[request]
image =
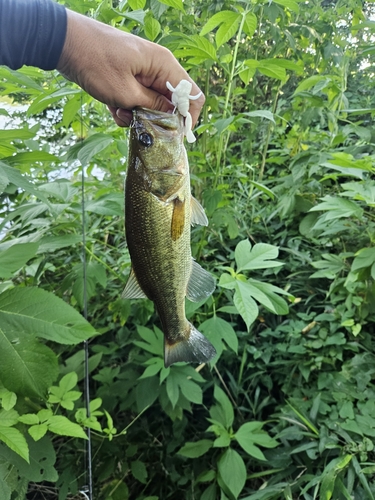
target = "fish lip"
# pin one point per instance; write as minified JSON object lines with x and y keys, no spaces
{"x":157,"y":119}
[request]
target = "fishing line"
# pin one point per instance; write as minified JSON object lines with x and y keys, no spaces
{"x":87,"y":490}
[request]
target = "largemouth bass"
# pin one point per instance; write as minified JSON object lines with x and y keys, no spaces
{"x":159,"y":210}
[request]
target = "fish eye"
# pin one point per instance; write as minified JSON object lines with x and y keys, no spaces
{"x":145,"y":139}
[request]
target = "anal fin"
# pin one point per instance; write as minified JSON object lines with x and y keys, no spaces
{"x":194,"y":349}
{"x":132,"y":288}
{"x":201,"y":283}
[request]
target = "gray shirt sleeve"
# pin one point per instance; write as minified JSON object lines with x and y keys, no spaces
{"x":32,"y":32}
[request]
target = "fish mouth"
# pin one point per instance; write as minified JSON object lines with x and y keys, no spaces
{"x":158,"y":120}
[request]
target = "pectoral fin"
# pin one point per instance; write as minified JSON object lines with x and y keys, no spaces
{"x":178,"y":219}
{"x":201,"y":284}
{"x":132,"y":288}
{"x":198,"y":215}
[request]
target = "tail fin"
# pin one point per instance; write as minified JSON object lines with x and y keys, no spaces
{"x":194,"y":349}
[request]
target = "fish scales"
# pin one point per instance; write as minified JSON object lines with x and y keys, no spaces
{"x":159,"y":210}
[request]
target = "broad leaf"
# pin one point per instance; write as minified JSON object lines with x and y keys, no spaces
{"x":195,"y":450}
{"x":176,"y":4}
{"x":250,"y":24}
{"x":217,"y":330}
{"x":228,"y":28}
{"x":251,"y":434}
{"x":34,"y":311}
{"x":27,"y":367}
{"x":224,"y":412}
{"x":91,"y":146}
{"x":16,"y":257}
{"x":61,"y":425}
{"x":258,"y":257}
{"x":152,"y":28}
{"x":245,"y":304}
{"x":15,"y":440}
{"x":232,"y":471}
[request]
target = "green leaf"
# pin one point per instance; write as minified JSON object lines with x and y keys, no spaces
{"x":258,"y":257}
{"x":266,"y":294}
{"x":364,"y":258}
{"x":147,"y":391}
{"x":15,"y":440}
{"x":264,"y":189}
{"x":27,"y":367}
{"x":176,"y":4}
{"x":16,"y":257}
{"x":93,"y":145}
{"x":197,"y":47}
{"x":245,"y":304}
{"x":52,"y":243}
{"x":38,"y":431}
{"x":228,"y":28}
{"x":16,"y":178}
{"x":308,"y":83}
{"x":271,"y":70}
{"x":110,"y":204}
{"x":139,"y":471}
{"x":135,"y":15}
{"x":153,"y":340}
{"x":337,"y":208}
{"x":152,"y":28}
{"x":8,"y":418}
{"x":173,"y":390}
{"x":195,"y":450}
{"x":5,"y":490}
{"x":251,"y":434}
{"x":44,"y":100}
{"x":218,"y":330}
{"x":29,"y":418}
{"x":31,"y":157}
{"x":250,"y":24}
{"x":191,"y":390}
{"x":62,"y":426}
{"x":136,"y":4}
{"x":37,"y":312}
{"x":153,"y":369}
{"x":216,"y":20}
{"x":261,"y":113}
{"x":42,"y":460}
{"x":8,"y":399}
{"x":282,"y":63}
{"x":232,"y":471}
{"x":226,"y":409}
{"x":289,"y":4}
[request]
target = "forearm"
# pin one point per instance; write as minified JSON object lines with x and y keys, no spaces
{"x":32,"y":32}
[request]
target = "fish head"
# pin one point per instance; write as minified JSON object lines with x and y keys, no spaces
{"x":157,"y":153}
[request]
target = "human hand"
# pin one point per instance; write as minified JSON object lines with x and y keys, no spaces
{"x":121,"y":69}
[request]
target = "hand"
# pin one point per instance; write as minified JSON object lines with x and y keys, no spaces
{"x":120,"y":69}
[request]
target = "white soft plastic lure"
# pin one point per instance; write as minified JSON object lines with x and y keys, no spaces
{"x":181,"y":99}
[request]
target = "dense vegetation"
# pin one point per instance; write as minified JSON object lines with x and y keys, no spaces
{"x":284,"y":164}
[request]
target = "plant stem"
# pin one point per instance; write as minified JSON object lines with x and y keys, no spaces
{"x":228,"y":108}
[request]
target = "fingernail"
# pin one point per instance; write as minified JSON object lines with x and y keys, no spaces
{"x":121,"y":113}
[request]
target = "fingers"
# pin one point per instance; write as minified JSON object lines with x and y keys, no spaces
{"x":122,"y":117}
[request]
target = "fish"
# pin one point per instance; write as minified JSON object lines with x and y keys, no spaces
{"x":159,"y":212}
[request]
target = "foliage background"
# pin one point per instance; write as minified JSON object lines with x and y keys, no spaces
{"x":284,"y":164}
